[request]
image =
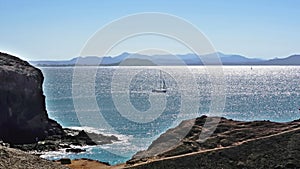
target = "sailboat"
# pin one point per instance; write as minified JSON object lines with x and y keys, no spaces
{"x":162,"y":87}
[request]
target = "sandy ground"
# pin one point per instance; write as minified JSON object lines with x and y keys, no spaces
{"x":89,"y":164}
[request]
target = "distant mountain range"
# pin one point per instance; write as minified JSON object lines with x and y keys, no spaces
{"x":127,"y":59}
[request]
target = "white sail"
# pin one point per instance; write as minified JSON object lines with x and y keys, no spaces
{"x":162,"y":87}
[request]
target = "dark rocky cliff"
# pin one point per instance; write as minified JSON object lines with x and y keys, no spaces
{"x":22,"y":103}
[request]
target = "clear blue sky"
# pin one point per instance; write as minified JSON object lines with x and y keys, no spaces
{"x":58,"y":29}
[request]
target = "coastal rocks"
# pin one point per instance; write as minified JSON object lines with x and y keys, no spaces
{"x":16,"y":159}
{"x":24,"y":122}
{"x":23,"y":115}
{"x":75,"y":150}
{"x":66,"y":141}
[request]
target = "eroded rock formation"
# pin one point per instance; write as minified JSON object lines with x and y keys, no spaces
{"x":22,"y":104}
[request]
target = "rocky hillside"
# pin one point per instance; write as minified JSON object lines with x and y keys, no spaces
{"x":16,"y":159}
{"x":234,"y":144}
{"x":23,"y":115}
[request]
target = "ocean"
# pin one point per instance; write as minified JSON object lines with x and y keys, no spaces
{"x":119,"y":101}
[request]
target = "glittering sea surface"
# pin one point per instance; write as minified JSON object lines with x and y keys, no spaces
{"x":252,"y":93}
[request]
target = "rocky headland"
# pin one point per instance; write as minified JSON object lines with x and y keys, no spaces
{"x":24,"y":122}
{"x":234,"y":144}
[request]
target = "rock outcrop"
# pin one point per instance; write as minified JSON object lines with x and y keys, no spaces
{"x":234,"y":144}
{"x":22,"y":104}
{"x":66,"y":141}
{"x":16,"y":159}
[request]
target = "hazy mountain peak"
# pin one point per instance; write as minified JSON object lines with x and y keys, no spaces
{"x":180,"y":59}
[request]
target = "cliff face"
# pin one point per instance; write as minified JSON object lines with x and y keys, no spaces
{"x":22,"y":103}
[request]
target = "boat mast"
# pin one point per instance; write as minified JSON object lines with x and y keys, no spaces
{"x":161,"y":85}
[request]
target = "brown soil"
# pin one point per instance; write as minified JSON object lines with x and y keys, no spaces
{"x":91,"y":164}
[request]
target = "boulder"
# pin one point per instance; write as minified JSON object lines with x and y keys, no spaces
{"x":75,"y":150}
{"x":65,"y":161}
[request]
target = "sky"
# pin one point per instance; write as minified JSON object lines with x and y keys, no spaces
{"x":58,"y":30}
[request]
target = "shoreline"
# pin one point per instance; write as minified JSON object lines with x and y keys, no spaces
{"x":267,"y":134}
{"x":250,"y":135}
{"x":68,"y":140}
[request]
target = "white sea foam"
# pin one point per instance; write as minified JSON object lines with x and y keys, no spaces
{"x":122,"y":138}
{"x":123,"y":145}
{"x":61,"y":153}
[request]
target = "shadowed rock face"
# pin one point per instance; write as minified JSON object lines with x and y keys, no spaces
{"x":22,"y":103}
